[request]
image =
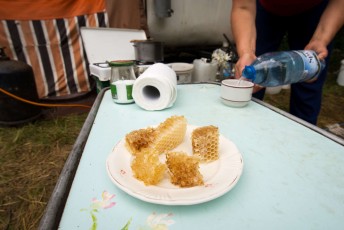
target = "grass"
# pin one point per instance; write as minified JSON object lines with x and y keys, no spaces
{"x":31,"y":159}
{"x":32,"y":156}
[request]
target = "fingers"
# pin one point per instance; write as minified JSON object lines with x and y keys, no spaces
{"x":319,"y":47}
{"x":257,"y":88}
{"x":244,"y":60}
{"x":322,"y":55}
{"x":238,"y":71}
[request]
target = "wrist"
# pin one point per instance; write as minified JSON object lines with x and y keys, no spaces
{"x":247,"y":53}
{"x":245,"y":47}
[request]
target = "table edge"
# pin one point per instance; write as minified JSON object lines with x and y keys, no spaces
{"x":54,"y":209}
{"x":53,"y":212}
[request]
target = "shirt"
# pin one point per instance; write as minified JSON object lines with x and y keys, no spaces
{"x":288,"y":7}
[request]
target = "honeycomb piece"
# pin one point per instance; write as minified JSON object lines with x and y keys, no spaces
{"x":170,"y":133}
{"x":147,"y":168}
{"x":184,"y":169}
{"x":205,"y":143}
{"x":138,"y":140}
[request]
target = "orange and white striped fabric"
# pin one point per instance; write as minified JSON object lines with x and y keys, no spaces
{"x":49,"y":40}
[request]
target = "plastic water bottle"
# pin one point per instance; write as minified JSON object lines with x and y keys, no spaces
{"x":285,"y":67}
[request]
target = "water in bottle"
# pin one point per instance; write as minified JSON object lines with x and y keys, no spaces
{"x":285,"y":67}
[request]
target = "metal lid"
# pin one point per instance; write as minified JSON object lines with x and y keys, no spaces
{"x":120,"y":63}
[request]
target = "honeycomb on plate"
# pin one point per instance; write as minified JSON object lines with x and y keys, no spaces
{"x":138,"y":140}
{"x":147,"y":167}
{"x":170,"y":133}
{"x":205,"y":143}
{"x":184,"y":169}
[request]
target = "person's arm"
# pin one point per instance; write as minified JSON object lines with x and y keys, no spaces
{"x":243,"y":17}
{"x":330,"y":23}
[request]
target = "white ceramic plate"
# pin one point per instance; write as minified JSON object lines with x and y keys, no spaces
{"x":219,"y":176}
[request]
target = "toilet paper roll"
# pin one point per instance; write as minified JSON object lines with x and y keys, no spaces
{"x":156,"y":88}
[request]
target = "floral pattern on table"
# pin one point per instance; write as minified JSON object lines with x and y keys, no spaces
{"x":158,"y":222}
{"x":154,"y":221}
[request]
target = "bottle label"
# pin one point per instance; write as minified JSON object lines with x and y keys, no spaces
{"x":311,"y":62}
{"x":122,"y":91}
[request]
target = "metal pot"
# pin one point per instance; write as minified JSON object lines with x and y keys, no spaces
{"x":148,"y":51}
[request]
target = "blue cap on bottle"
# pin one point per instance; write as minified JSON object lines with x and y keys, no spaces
{"x":249,"y":72}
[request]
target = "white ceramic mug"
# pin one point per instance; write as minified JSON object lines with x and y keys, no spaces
{"x":235,"y":92}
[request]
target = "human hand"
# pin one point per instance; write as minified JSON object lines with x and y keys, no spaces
{"x":244,"y":60}
{"x":319,"y":47}
{"x":321,"y":50}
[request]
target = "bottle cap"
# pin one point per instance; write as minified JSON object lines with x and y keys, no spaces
{"x":249,"y":72}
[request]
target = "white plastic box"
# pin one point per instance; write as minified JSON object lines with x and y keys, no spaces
{"x":108,"y":44}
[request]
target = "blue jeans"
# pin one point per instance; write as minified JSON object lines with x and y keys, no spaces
{"x":305,"y":98}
